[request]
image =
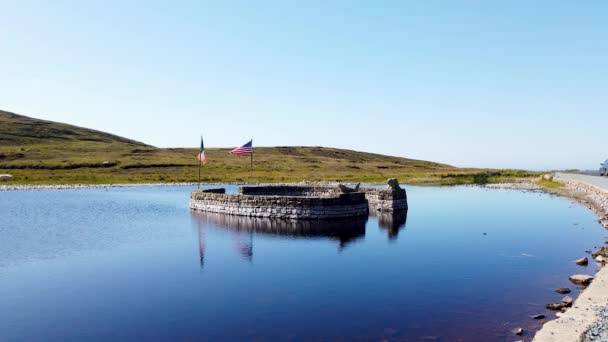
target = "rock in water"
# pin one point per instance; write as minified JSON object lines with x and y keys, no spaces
{"x":581,"y":279}
{"x":393,"y":184}
{"x":600,"y":258}
{"x":555,"y":306}
{"x":563,"y":290}
{"x":6,"y":177}
{"x":518,"y":331}
{"x":582,"y":261}
{"x":565,"y":303}
{"x":540,"y":316}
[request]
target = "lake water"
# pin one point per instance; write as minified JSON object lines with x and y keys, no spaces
{"x":466,"y":264}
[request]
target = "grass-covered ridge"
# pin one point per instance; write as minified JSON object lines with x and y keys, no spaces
{"x":45,"y":152}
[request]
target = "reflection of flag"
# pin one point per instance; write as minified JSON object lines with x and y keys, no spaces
{"x":201,"y":155}
{"x":245,"y":149}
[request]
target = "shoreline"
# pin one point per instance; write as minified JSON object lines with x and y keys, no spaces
{"x":24,"y":187}
{"x":587,"y":319}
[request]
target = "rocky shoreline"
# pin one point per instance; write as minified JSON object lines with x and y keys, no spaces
{"x":587,"y":318}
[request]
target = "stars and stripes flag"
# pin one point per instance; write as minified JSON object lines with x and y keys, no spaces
{"x":202,"y":158}
{"x":245,"y":149}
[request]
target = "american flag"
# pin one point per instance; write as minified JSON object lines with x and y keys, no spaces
{"x":245,"y":149}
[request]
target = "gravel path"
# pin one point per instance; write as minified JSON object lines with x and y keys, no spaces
{"x":587,"y":320}
{"x":597,"y":181}
{"x":599,"y":329}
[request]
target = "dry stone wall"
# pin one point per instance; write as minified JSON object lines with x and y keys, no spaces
{"x":290,"y":207}
{"x":289,"y":190}
{"x":386,"y":199}
{"x":297,"y":202}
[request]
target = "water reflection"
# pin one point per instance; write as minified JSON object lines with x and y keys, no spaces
{"x":393,"y":221}
{"x":56,"y":238}
{"x":345,"y":231}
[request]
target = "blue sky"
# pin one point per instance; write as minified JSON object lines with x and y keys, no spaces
{"x":510,"y":84}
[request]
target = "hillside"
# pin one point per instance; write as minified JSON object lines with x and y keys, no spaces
{"x":37,"y":151}
{"x":18,"y":129}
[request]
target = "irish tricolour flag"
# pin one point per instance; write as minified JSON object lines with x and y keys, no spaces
{"x":201,"y":155}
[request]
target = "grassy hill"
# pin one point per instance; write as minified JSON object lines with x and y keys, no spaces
{"x":44,"y":152}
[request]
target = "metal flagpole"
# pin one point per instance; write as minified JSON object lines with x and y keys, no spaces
{"x":199,"y":173}
{"x":251,"y":165}
{"x":200,"y":162}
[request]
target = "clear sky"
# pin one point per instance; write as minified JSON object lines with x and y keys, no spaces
{"x":519,"y":84}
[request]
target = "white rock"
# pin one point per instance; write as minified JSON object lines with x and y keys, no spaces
{"x":6,"y":177}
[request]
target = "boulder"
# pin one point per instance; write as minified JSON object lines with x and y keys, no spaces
{"x":518,"y":331}
{"x":346,"y":189}
{"x":539,"y":316}
{"x":567,"y":300}
{"x":581,"y":279}
{"x":563,"y":290}
{"x":6,"y":177}
{"x":600,"y":258}
{"x":548,"y":177}
{"x":557,"y":306}
{"x":393,"y":184}
{"x":582,"y":261}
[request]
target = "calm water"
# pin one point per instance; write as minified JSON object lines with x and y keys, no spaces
{"x":135,"y":263}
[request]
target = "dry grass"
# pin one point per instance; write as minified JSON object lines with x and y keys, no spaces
{"x":551,"y":184}
{"x":44,"y":152}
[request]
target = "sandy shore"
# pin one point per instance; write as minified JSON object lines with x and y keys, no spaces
{"x":587,"y":320}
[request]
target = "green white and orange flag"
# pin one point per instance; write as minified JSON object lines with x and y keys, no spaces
{"x":201,"y":155}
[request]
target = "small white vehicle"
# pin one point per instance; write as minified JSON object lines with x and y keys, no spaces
{"x":604,"y":168}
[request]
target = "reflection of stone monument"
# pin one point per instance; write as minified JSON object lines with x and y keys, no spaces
{"x":201,"y":245}
{"x":244,"y":245}
{"x":343,"y":230}
{"x":392,"y":221}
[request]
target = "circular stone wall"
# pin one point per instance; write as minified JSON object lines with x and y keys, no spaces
{"x":301,"y":203}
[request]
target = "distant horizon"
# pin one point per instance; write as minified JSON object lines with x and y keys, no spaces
{"x":514,"y":85}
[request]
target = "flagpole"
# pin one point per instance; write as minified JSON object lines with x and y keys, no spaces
{"x":200,"y":163}
{"x":251,"y":165}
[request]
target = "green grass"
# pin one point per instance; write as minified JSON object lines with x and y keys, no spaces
{"x":44,"y":152}
{"x":551,"y":184}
